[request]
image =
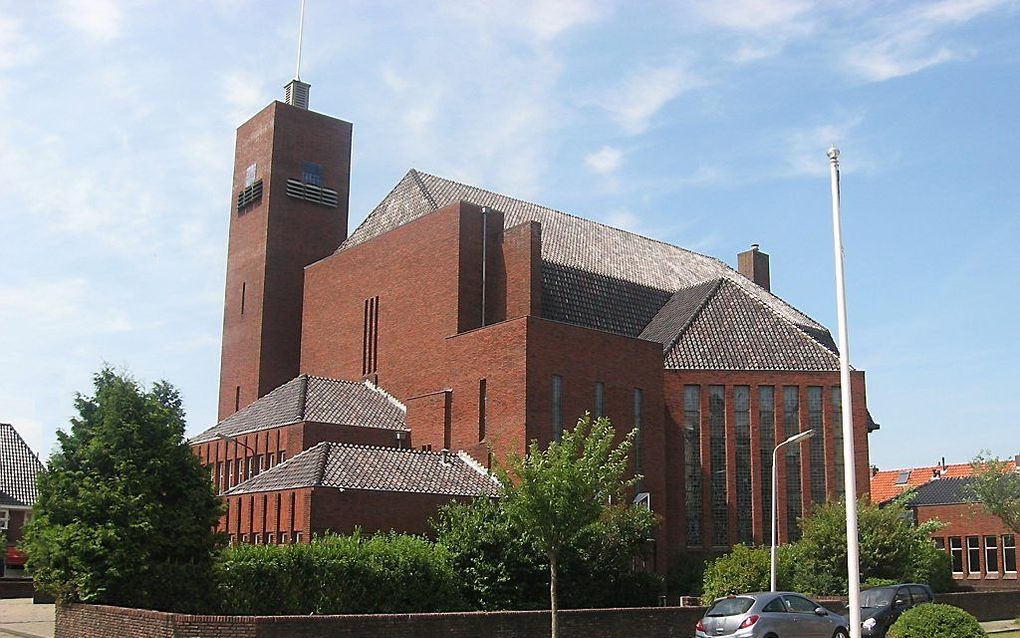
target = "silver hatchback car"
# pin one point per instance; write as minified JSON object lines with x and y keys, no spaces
{"x":770,"y":615}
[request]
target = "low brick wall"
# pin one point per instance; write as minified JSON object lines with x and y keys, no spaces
{"x":16,"y":588}
{"x":97,"y":621}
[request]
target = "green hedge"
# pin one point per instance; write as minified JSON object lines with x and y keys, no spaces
{"x":352,"y":574}
{"x":936,"y":621}
{"x":747,"y":569}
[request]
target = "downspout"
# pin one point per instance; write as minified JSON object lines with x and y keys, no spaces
{"x":485,"y":237}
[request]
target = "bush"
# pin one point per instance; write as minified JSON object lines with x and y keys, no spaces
{"x":747,"y":569}
{"x":686,"y":574}
{"x":350,"y":574}
{"x":936,"y":621}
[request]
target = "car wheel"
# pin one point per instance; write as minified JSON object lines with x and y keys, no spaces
{"x":840,"y":633}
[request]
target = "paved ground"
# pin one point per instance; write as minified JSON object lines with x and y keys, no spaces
{"x":19,"y":617}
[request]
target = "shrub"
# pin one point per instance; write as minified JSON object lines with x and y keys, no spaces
{"x":936,"y":621}
{"x":340,"y":574}
{"x":747,"y":569}
{"x":686,"y":574}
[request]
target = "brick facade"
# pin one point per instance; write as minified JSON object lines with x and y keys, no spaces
{"x":980,"y":535}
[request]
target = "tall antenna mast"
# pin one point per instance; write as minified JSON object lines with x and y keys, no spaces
{"x":296,"y":91}
{"x":300,"y":34}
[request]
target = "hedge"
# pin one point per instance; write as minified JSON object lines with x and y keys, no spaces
{"x":936,"y":621}
{"x":351,"y":574}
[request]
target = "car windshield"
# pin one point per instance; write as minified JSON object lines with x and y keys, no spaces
{"x":730,"y":607}
{"x":876,"y":597}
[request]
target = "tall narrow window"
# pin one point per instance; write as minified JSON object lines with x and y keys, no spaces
{"x":767,"y":431}
{"x":244,"y":290}
{"x":600,"y":398}
{"x":638,"y":439}
{"x":482,"y":390}
{"x":817,"y":445}
{"x":956,"y":553}
{"x":791,"y":426}
{"x":837,"y":439}
{"x":370,"y":337}
{"x":692,"y":461}
{"x":742,"y":427}
{"x":1009,"y":553}
{"x":717,"y":459}
{"x":973,"y":555}
{"x":237,"y":398}
{"x":991,"y":555}
{"x":557,"y":411}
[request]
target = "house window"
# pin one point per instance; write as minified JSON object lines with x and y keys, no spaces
{"x":956,"y":553}
{"x":973,"y":555}
{"x":816,"y":447}
{"x":991,"y":555}
{"x":272,"y":460}
{"x":1009,"y":553}
{"x":837,"y":439}
{"x":638,"y":443}
{"x":482,"y":401}
{"x":5,"y":518}
{"x":258,"y":539}
{"x":283,"y":456}
{"x":692,"y":461}
{"x":220,"y":474}
{"x":940,"y":543}
{"x":283,"y":538}
{"x":717,"y":459}
{"x":230,"y":474}
{"x":311,"y":173}
{"x":557,"y":409}
{"x":246,"y":538}
{"x":250,"y":174}
{"x":742,"y":427}
{"x":240,"y":470}
{"x":600,"y":400}
{"x":270,"y":539}
{"x":791,"y":425}
{"x":251,"y":466}
{"x":767,"y":424}
{"x":297,"y":537}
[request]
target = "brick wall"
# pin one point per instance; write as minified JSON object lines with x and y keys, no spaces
{"x":966,"y":522}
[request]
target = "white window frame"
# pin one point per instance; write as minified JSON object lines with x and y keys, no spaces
{"x":956,"y":549}
{"x":230,"y":474}
{"x":970,"y":567}
{"x":5,"y":518}
{"x":297,"y":537}
{"x":283,"y":456}
{"x":993,"y":548}
{"x":270,"y":539}
{"x":1011,"y":572}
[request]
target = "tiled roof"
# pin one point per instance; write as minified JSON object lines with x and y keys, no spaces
{"x":19,"y":468}
{"x":888,"y":484}
{"x":593,"y":275}
{"x":358,"y":467}
{"x":316,"y":399}
{"x":718,"y":325}
{"x":946,"y":491}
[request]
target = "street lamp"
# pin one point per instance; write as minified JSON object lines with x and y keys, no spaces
{"x":234,"y":439}
{"x":796,"y":438}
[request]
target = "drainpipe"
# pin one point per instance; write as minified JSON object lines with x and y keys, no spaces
{"x":485,"y":238}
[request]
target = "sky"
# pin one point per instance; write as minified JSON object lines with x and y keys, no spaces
{"x":700,"y":124}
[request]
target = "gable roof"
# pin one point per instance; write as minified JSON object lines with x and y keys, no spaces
{"x":946,"y":491}
{"x":717,"y":325}
{"x":19,"y":468}
{"x":888,"y":484}
{"x":315,"y":399}
{"x":593,"y":275}
{"x":345,"y":466}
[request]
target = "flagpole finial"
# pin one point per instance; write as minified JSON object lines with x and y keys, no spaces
{"x":833,"y":153}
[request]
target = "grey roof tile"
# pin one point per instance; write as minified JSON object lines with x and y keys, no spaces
{"x":19,"y":468}
{"x":358,"y":467}
{"x":944,"y":491}
{"x":729,"y":329}
{"x":606,"y":254}
{"x":316,"y":399}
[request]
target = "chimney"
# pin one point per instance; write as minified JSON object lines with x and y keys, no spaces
{"x":754,"y":265}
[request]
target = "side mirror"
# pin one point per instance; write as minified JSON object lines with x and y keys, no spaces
{"x":900,"y":604}
{"x":821,"y":611}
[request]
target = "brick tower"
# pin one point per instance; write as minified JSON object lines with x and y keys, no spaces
{"x":288,"y":209}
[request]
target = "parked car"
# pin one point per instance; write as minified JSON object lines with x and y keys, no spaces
{"x":881,"y":606}
{"x":770,"y":615}
{"x":14,"y":557}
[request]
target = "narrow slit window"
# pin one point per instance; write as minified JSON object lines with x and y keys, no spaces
{"x":638,"y":443}
{"x":600,"y":398}
{"x":244,"y":290}
{"x":557,"y":413}
{"x":482,"y":398}
{"x":237,"y":398}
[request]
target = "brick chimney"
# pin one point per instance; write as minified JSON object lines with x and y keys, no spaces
{"x":754,"y":265}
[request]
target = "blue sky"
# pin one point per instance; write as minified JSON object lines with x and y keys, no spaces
{"x":701,"y":124}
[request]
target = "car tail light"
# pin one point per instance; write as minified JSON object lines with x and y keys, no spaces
{"x":750,"y":620}
{"x":700,"y":626}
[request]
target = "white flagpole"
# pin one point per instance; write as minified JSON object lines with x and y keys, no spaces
{"x":849,"y":465}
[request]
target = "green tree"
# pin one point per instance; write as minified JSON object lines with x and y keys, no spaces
{"x":125,"y":513}
{"x":747,"y":569}
{"x":552,"y":495}
{"x":996,"y":487}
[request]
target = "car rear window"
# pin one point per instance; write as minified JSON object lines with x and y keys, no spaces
{"x":879,"y":597}
{"x":730,"y":607}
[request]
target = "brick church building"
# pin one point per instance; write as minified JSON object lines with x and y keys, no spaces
{"x":368,"y":376}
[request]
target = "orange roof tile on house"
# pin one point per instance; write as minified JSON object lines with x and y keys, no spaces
{"x":888,"y":484}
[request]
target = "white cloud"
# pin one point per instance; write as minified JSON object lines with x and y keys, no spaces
{"x":244,"y":93}
{"x":755,"y":15}
{"x":644,"y":93}
{"x":548,"y":20}
{"x":99,"y":20}
{"x":541,"y":21}
{"x":805,"y":149}
{"x":623,"y":218}
{"x":605,"y":160}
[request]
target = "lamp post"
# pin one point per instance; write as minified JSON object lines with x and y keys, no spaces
{"x":849,"y":465}
{"x":234,"y":439}
{"x":796,"y":438}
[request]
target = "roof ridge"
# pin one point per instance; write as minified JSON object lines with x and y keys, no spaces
{"x":478,"y":467}
{"x":412,"y":173}
{"x":416,"y":174}
{"x":697,"y":311}
{"x":320,"y":471}
{"x":386,"y":395}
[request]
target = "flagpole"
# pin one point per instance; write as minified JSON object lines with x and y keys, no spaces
{"x":849,"y":464}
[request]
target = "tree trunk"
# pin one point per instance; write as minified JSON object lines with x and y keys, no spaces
{"x":553,"y":603}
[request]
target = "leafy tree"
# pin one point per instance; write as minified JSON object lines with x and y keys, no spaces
{"x":125,"y":513}
{"x":996,"y":487}
{"x":552,"y":495}
{"x":747,"y":569}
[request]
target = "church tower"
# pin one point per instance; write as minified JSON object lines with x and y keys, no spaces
{"x":288,"y":209}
